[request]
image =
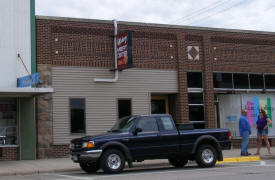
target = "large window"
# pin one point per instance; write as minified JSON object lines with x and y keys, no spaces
{"x":256,"y":81}
{"x":77,"y":109}
{"x":270,"y":81}
{"x":244,"y":81}
{"x":124,"y":108}
{"x":241,"y":81}
{"x":222,"y":80}
{"x":196,"y":113}
{"x":8,"y":122}
{"x":230,"y":106}
{"x":196,"y":109}
{"x":194,"y":79}
{"x":195,"y":98}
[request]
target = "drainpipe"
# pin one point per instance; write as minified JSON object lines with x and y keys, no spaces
{"x":116,"y":71}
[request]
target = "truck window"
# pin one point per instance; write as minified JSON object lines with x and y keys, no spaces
{"x":147,"y":124}
{"x":167,"y":123}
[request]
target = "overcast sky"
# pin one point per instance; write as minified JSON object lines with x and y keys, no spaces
{"x":232,"y":14}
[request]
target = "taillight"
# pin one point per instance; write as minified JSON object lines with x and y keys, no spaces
{"x":229,"y":135}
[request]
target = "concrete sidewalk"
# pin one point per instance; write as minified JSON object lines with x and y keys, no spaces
{"x":65,"y":164}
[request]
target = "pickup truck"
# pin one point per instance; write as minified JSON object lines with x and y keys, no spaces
{"x":141,"y":137}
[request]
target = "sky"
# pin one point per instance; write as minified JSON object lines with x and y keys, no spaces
{"x":230,"y":14}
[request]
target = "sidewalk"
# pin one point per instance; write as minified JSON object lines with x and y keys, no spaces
{"x":65,"y":164}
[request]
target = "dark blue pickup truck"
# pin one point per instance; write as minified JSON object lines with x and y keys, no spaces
{"x":137,"y":138}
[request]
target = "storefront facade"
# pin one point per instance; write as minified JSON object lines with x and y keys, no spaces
{"x":18,"y":59}
{"x":199,"y":75}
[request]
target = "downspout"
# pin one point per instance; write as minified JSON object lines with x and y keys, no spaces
{"x":116,"y":71}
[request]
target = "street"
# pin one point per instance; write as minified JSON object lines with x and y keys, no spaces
{"x":252,"y":170}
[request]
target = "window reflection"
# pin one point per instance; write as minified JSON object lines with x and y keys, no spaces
{"x":8,"y":122}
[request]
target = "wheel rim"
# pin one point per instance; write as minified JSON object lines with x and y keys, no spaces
{"x":207,"y":156}
{"x":114,"y":161}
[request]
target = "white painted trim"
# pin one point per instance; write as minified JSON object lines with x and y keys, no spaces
{"x":9,"y":145}
{"x":27,"y":90}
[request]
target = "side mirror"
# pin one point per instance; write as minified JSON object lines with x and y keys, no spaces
{"x":137,"y":130}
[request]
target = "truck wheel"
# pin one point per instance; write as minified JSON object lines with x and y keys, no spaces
{"x":112,"y":161}
{"x":89,"y":167}
{"x":206,"y":156}
{"x":178,"y":162}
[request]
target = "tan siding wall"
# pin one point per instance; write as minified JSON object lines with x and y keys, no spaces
{"x":101,"y":98}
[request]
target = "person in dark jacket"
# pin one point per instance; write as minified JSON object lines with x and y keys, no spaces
{"x":245,"y":131}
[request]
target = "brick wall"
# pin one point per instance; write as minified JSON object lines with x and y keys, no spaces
{"x":236,"y":143}
{"x":72,"y":42}
{"x":66,"y":43}
{"x":60,"y":150}
{"x":9,"y":153}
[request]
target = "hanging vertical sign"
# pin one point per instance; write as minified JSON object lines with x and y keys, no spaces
{"x":124,"y":50}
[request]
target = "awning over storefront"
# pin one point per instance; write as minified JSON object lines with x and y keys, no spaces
{"x":24,"y":92}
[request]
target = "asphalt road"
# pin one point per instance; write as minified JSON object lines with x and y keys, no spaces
{"x":263,"y":170}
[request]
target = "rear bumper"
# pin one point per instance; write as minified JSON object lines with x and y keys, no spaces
{"x":84,"y":156}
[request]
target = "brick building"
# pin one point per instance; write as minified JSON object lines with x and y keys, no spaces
{"x":199,"y":75}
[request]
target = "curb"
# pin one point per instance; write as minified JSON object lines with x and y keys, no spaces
{"x":239,"y":159}
{"x":137,"y":165}
{"x":29,"y":172}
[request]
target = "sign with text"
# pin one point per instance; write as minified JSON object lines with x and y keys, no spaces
{"x":26,"y":81}
{"x":124,"y":50}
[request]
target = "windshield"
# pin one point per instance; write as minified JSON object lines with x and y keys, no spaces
{"x":123,"y":125}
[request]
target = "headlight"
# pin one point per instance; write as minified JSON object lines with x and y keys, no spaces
{"x":88,"y":145}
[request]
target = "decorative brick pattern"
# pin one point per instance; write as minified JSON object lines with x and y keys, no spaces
{"x":9,"y":153}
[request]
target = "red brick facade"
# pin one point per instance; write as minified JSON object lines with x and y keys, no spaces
{"x":9,"y":153}
{"x":74,"y":42}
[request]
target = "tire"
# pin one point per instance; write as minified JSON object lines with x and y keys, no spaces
{"x":206,"y":156}
{"x":89,"y":167}
{"x":178,"y":162}
{"x":112,"y":161}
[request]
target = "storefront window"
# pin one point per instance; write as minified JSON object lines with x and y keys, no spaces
{"x":230,"y":106}
{"x":196,"y":110}
{"x":196,"y":113}
{"x":256,"y":81}
{"x":194,"y":79}
{"x":195,"y":98}
{"x":241,"y":81}
{"x":269,"y":81}
{"x":8,"y":122}
{"x":222,"y":80}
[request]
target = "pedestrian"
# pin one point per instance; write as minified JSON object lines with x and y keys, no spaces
{"x":262,"y":131}
{"x":245,"y":131}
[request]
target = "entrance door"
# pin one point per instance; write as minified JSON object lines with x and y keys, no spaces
{"x":27,"y":129}
{"x":159,"y":105}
